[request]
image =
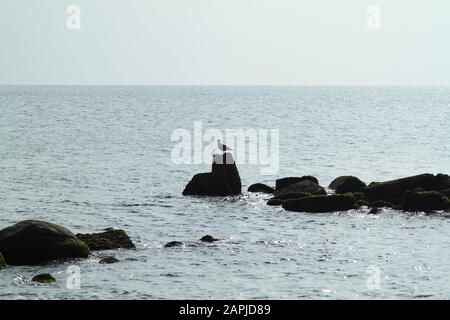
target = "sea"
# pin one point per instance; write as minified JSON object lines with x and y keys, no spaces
{"x":94,"y":157}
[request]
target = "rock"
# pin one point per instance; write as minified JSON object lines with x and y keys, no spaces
{"x":374,"y":210}
{"x":260,"y":187}
{"x":306,"y":186}
{"x":394,"y":190}
{"x":425,"y":201}
{"x":358,"y":196}
{"x":2,"y":261}
{"x":442,"y":182}
{"x":208,"y":238}
{"x":381,"y":204}
{"x":284,"y":182}
{"x":172,"y":244}
{"x":331,"y":203}
{"x":291,"y":195}
{"x":44,"y":278}
{"x":107,"y":240}
{"x":223,"y":180}
{"x":446,"y":192}
{"x":275,"y":202}
{"x":346,"y":184}
{"x":108,"y":260}
{"x":32,"y":242}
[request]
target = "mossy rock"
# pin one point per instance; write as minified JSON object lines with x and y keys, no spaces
{"x":316,"y":204}
{"x":275,"y":202}
{"x":33,"y":242}
{"x":425,"y":201}
{"x":108,"y":260}
{"x":260,"y":187}
{"x":2,"y":261}
{"x":394,"y":190}
{"x":359,"y":196}
{"x":44,"y":278}
{"x":291,"y":195}
{"x":172,"y":244}
{"x":305,"y":186}
{"x":285,"y":182}
{"x":345,"y":184}
{"x":107,"y":240}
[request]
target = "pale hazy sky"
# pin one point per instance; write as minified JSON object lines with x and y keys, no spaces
{"x":213,"y":42}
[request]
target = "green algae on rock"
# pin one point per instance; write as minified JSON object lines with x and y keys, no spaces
{"x":108,"y":260}
{"x":2,"y":261}
{"x":107,"y":240}
{"x":346,"y":184}
{"x":44,"y":278}
{"x":425,"y":201}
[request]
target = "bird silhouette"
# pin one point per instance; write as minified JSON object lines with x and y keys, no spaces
{"x":222,"y":146}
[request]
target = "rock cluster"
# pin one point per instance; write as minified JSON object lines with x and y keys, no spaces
{"x":424,"y":192}
{"x":33,"y":242}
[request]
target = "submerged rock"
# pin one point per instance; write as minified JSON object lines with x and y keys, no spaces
{"x":346,"y":184}
{"x":107,"y":240}
{"x":32,"y":242}
{"x":223,"y":180}
{"x":44,"y":278}
{"x":394,"y":190}
{"x":260,"y":187}
{"x":2,"y":261}
{"x":208,"y":238}
{"x":330,"y":203}
{"x":172,"y":244}
{"x":108,"y":260}
{"x":291,"y":195}
{"x":284,"y":182}
{"x":374,"y":210}
{"x":306,"y":186}
{"x":425,"y":201}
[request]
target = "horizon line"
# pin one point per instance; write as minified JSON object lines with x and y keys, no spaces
{"x":217,"y":85}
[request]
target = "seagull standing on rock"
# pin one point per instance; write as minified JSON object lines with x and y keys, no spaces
{"x":222,"y":146}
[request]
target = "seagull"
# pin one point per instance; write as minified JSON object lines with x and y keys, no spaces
{"x":222,"y":146}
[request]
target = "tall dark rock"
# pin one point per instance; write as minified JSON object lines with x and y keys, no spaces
{"x":223,"y":180}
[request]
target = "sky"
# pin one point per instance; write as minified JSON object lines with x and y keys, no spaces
{"x":225,"y":42}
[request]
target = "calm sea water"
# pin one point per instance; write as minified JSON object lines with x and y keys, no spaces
{"x":95,"y":157}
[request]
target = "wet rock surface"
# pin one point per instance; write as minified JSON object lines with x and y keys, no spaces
{"x":32,"y":242}
{"x":107,"y":240}
{"x":43,"y":278}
